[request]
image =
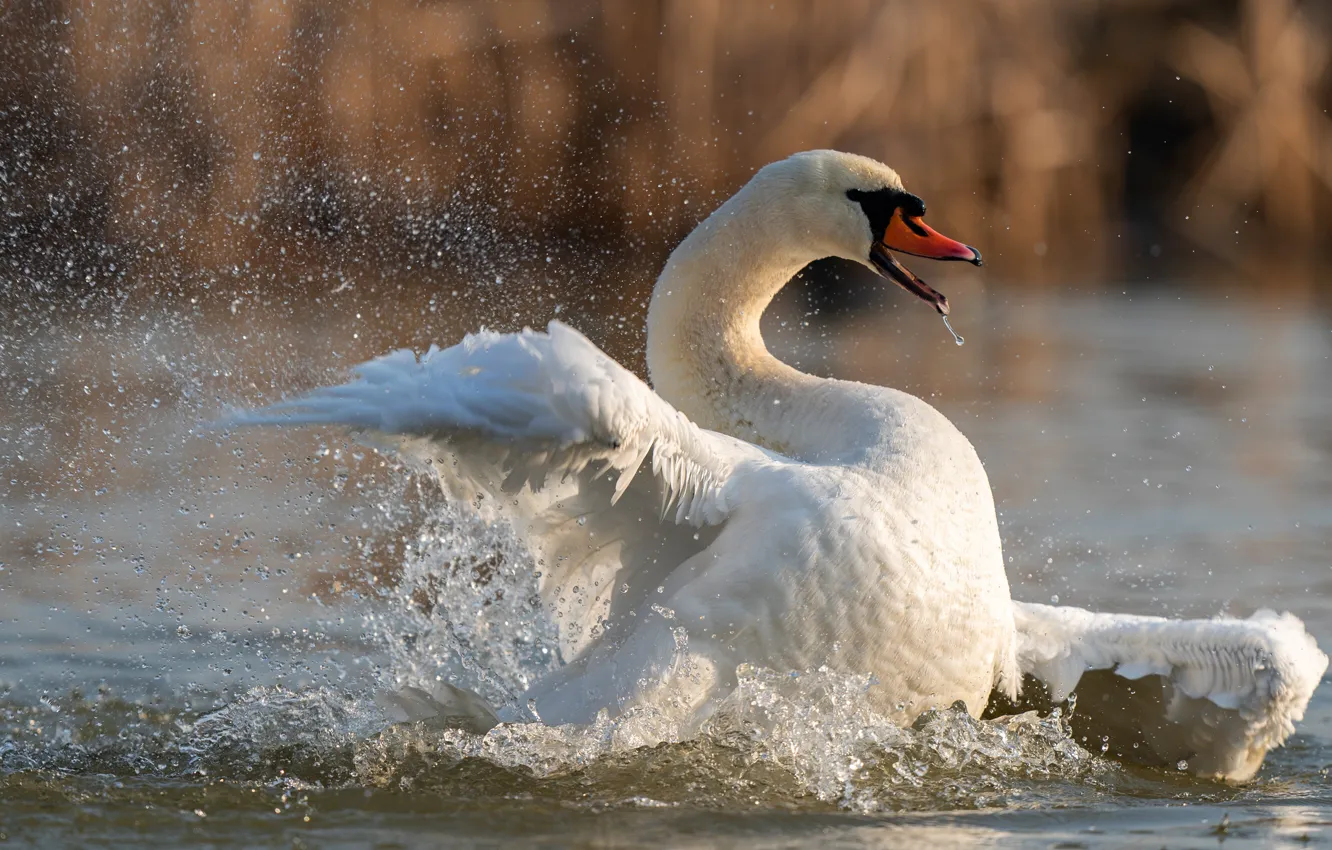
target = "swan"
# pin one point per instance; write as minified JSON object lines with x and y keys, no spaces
{"x":740,"y":511}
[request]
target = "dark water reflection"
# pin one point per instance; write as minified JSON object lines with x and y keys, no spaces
{"x":1152,"y":453}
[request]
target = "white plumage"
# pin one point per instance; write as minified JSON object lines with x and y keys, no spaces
{"x":1217,"y":694}
{"x":748,"y":513}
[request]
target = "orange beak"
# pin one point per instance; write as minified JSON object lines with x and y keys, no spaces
{"x":911,"y":235}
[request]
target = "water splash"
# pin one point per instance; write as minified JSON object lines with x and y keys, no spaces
{"x":822,"y":727}
{"x":466,"y":610}
{"x":780,"y":739}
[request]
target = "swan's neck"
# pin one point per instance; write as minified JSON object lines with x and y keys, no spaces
{"x":705,"y":353}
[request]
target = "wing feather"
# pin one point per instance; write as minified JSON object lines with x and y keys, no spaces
{"x":552,"y":434}
{"x":1217,"y":694}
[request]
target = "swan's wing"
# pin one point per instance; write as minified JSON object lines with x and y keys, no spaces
{"x":1217,"y":694}
{"x":550,"y":432}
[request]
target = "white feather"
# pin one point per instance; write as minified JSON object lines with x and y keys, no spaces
{"x":1256,"y":676}
{"x":560,"y":430}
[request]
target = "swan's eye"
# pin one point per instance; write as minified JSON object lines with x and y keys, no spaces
{"x":911,"y":206}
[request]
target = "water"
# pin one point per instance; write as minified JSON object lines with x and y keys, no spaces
{"x":193,"y":625}
{"x":956,"y":336}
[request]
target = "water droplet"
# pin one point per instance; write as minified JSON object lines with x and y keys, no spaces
{"x":956,"y":336}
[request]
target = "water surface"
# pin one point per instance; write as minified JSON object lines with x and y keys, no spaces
{"x":193,"y":624}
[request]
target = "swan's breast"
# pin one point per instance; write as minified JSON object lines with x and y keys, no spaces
{"x":837,"y":567}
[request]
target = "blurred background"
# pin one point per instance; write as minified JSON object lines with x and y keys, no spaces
{"x":1070,"y":141}
{"x":214,"y":203}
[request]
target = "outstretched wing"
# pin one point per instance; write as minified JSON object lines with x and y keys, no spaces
{"x":1217,"y":694}
{"x":548,"y":431}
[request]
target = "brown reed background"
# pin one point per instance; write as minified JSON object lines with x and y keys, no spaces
{"x":1081,"y":140}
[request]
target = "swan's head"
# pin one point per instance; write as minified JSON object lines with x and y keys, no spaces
{"x":858,"y":209}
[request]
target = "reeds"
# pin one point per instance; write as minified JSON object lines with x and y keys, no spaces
{"x":224,"y":130}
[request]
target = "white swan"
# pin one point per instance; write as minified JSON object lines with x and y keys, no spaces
{"x":747,"y":512}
